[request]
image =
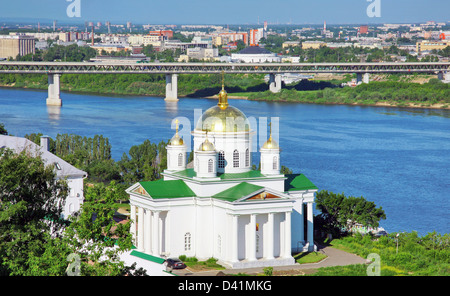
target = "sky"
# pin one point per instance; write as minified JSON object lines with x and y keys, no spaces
{"x":229,"y":11}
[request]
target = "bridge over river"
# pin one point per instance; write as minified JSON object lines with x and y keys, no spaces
{"x":363,"y":70}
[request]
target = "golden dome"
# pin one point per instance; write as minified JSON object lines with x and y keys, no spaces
{"x":206,"y":146}
{"x":270,"y":144}
{"x":223,"y":118}
{"x":176,"y":139}
{"x":230,"y":119}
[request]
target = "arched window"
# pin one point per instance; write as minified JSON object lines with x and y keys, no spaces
{"x":187,"y":241}
{"x":275,"y":163}
{"x":221,"y":160}
{"x":236,"y":159}
{"x":210,"y":166}
{"x":247,"y":158}
{"x":180,"y":159}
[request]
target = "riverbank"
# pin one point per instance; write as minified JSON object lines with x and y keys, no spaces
{"x":431,"y":95}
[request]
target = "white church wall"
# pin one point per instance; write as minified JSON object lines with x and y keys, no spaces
{"x":75,"y":197}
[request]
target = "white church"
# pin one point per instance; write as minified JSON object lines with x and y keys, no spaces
{"x":221,"y":207}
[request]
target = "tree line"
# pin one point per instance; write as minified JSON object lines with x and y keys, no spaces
{"x":366,"y":93}
{"x":93,"y":155}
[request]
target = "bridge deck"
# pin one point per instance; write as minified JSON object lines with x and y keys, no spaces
{"x":214,"y":68}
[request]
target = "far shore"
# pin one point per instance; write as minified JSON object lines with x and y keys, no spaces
{"x":440,"y":106}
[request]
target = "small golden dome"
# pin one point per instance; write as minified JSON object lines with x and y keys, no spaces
{"x":176,"y":139}
{"x":206,"y":146}
{"x":270,"y":144}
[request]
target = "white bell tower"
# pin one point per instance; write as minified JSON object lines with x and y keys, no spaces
{"x":270,"y":156}
{"x":205,"y":162}
{"x":176,"y":152}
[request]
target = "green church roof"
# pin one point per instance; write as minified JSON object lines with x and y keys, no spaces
{"x":237,"y":192}
{"x":167,"y":189}
{"x":252,"y":174}
{"x":295,"y":182}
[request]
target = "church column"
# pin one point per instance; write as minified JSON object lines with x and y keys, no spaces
{"x":287,"y":235}
{"x":147,"y":232}
{"x":234,"y":239}
{"x":268,"y":245}
{"x":310,"y":234}
{"x":140,"y":245}
{"x":252,"y":238}
{"x":155,"y":234}
{"x":133,"y":223}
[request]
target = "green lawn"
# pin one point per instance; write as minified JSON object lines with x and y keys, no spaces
{"x":312,"y":257}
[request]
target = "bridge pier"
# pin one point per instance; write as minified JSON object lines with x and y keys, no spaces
{"x":275,"y":83}
{"x":54,"y":98}
{"x":171,"y":87}
{"x":444,"y":76}
{"x":362,"y":77}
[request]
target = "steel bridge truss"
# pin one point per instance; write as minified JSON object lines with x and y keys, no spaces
{"x":215,"y":68}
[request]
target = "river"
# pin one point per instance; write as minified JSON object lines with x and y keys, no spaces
{"x":398,"y":158}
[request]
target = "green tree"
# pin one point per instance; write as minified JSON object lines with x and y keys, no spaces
{"x":31,"y":200}
{"x":339,"y":212}
{"x":3,"y":130}
{"x":95,"y":236}
{"x":145,"y":162}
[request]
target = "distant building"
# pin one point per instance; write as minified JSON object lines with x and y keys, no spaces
{"x":199,"y":53}
{"x":430,"y":45}
{"x":108,"y":48}
{"x":256,"y":35}
{"x":255,"y":54}
{"x":14,"y":45}
{"x":63,"y":170}
{"x":313,"y":44}
{"x":290,"y":44}
{"x":166,"y":33}
{"x":363,"y":29}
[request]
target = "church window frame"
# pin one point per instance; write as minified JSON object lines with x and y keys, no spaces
{"x":210,"y":166}
{"x":275,"y":163}
{"x":180,"y":159}
{"x":221,"y":160}
{"x":236,"y":158}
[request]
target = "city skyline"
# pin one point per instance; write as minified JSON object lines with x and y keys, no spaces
{"x":230,"y":12}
